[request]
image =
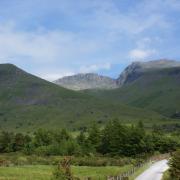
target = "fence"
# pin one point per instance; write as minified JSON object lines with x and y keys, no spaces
{"x":126,"y":175}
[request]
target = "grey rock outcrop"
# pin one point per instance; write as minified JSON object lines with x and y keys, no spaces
{"x":134,"y":71}
{"x":87,"y":81}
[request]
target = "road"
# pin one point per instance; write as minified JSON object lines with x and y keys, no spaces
{"x":155,"y":172}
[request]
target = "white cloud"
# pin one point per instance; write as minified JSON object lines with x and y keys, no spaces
{"x":138,"y":19}
{"x":54,"y":76}
{"x":141,"y":54}
{"x":57,"y":73}
{"x":46,"y":50}
{"x":93,"y":31}
{"x":44,"y":46}
{"x":143,"y":49}
{"x":36,"y":46}
{"x":95,"y":67}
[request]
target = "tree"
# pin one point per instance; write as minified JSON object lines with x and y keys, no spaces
{"x":136,"y":141}
{"x":81,"y":138}
{"x":42,"y":137}
{"x":85,"y":145}
{"x":94,"y":137}
{"x":114,"y":138}
{"x":175,"y":165}
{"x":19,"y":142}
{"x":6,"y":142}
{"x":106,"y":138}
{"x":118,"y":138}
{"x":29,"y":148}
{"x":61,"y":135}
{"x":164,"y":144}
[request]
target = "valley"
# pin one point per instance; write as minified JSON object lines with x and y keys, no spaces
{"x":28,"y":102}
{"x":89,"y":90}
{"x":49,"y":130}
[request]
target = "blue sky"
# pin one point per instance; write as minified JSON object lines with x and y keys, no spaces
{"x":54,"y":38}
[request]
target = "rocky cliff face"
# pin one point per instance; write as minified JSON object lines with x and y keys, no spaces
{"x":87,"y":81}
{"x":135,"y":70}
{"x":131,"y":73}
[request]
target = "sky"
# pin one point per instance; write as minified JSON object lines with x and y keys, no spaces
{"x":56,"y":38}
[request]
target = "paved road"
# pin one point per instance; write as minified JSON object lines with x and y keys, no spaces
{"x":155,"y":172}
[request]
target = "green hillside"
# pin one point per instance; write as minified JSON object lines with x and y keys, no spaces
{"x":157,"y":90}
{"x":28,"y":102}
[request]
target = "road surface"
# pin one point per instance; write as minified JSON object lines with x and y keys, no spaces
{"x":155,"y":172}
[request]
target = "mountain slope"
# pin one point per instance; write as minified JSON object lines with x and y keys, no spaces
{"x":87,"y":81}
{"x":28,"y":102}
{"x":157,"y":89}
{"x":134,"y":71}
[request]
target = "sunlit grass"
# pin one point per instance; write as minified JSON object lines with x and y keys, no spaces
{"x":44,"y":172}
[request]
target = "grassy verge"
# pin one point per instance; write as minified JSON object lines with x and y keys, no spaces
{"x":166,"y":176}
{"x":99,"y":173}
{"x":140,"y":171}
{"x":40,"y":172}
{"x":44,"y":172}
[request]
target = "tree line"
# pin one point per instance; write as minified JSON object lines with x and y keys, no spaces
{"x":114,"y":139}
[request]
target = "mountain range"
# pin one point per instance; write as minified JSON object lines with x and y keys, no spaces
{"x":153,"y":85}
{"x":144,"y":91}
{"x":132,"y":72}
{"x":28,"y":103}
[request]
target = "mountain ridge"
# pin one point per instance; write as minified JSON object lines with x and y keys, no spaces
{"x":129,"y":74}
{"x":155,"y":89}
{"x":87,"y":81}
{"x":28,"y":103}
{"x":135,"y":69}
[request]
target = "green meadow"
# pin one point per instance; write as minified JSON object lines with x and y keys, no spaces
{"x":44,"y":172}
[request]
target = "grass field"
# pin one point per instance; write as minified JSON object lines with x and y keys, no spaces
{"x":44,"y":172}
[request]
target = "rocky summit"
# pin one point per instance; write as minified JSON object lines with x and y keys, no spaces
{"x":135,"y":70}
{"x":87,"y":81}
{"x":131,"y":73}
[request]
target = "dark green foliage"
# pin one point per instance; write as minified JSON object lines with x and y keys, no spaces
{"x":29,"y":148}
{"x":114,"y":139}
{"x":84,"y":143}
{"x":55,"y":143}
{"x":20,"y":141}
{"x":136,"y":143}
{"x":42,"y":137}
{"x":10,"y":142}
{"x":131,"y":141}
{"x":175,"y":165}
{"x":94,"y":136}
{"x":6,"y":142}
{"x":121,"y":140}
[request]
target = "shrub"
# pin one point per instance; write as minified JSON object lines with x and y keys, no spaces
{"x":175,"y":165}
{"x":63,"y":170}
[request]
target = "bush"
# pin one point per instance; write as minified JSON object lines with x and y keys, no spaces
{"x":175,"y":165}
{"x":100,"y":161}
{"x":63,"y":170}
